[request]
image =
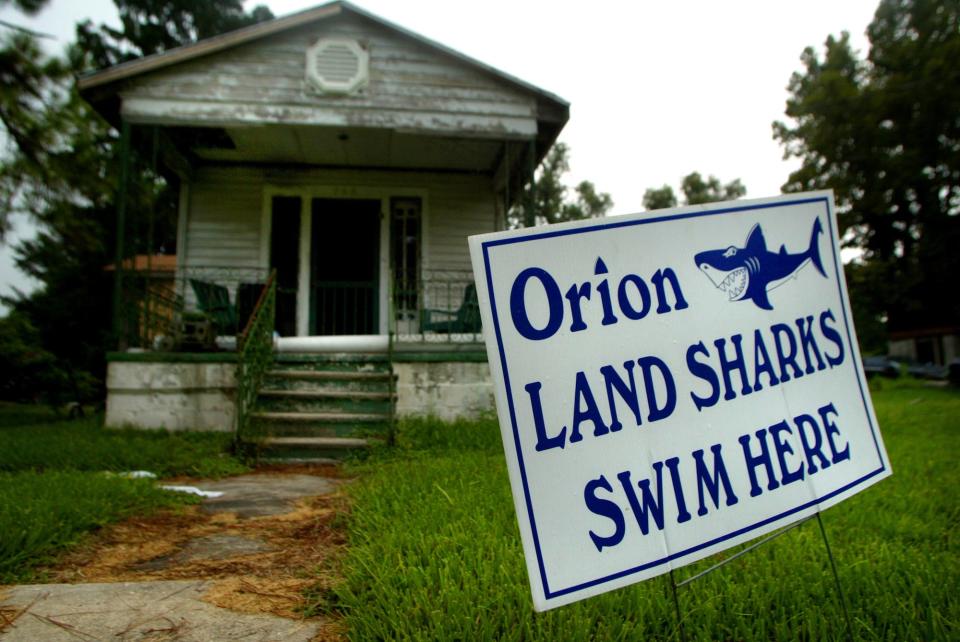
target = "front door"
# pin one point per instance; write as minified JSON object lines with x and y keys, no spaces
{"x":344,"y":266}
{"x":285,"y":259}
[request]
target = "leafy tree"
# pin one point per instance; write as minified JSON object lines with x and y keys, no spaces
{"x":884,"y":134}
{"x":153,"y":26}
{"x":29,"y":7}
{"x":696,"y":191}
{"x":32,"y":373}
{"x":659,"y":198}
{"x":61,"y":168}
{"x":551,"y":201}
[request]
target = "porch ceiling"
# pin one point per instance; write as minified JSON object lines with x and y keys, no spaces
{"x":333,"y":146}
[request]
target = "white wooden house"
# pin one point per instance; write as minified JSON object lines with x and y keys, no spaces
{"x":353,"y":157}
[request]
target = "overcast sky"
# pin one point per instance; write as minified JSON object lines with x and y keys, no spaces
{"x":657,"y":89}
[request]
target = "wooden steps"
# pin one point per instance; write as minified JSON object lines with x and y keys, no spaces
{"x":317,"y":442}
{"x":314,"y":407}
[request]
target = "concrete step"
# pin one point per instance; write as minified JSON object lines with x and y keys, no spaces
{"x":320,"y":443}
{"x":330,"y":375}
{"x":343,"y":429}
{"x":325,"y":401}
{"x":301,"y":448}
{"x":304,"y":459}
{"x":333,"y":362}
{"x":322,"y":417}
{"x":286,"y":379}
{"x":349,"y":395}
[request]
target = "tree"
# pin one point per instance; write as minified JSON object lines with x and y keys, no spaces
{"x":884,"y":134}
{"x":551,"y":202}
{"x":153,"y":26}
{"x":659,"y":198}
{"x":696,"y":191}
{"x":29,"y":7}
{"x":61,"y":168}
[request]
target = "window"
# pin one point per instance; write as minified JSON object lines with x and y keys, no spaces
{"x":405,"y":235}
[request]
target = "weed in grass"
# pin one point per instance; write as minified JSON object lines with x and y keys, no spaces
{"x":435,"y":554}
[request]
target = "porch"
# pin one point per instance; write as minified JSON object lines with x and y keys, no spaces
{"x":205,"y":310}
{"x":204,"y":354}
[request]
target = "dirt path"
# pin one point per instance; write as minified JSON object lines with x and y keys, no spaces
{"x":255,"y":550}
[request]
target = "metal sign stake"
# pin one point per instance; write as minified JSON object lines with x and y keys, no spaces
{"x":674,"y":585}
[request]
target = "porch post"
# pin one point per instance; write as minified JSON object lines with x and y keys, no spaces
{"x":118,"y":333}
{"x":146,"y":328}
{"x":530,"y":214}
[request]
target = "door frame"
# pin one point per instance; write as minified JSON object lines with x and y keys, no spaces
{"x":307,"y":193}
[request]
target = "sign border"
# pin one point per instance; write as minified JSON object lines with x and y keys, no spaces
{"x":531,"y":518}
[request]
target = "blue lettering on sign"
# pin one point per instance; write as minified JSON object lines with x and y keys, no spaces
{"x":768,"y":454}
{"x":733,"y":376}
{"x":586,"y":409}
{"x":633,"y":299}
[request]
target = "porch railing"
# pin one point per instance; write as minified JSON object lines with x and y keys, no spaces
{"x":171,"y":310}
{"x":441,"y":307}
{"x":254,"y":357}
{"x":344,"y":307}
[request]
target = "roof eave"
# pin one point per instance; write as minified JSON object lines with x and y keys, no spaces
{"x":204,"y":47}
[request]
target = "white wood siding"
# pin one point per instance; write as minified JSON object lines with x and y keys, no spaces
{"x":459,"y":207}
{"x":410,"y":86}
{"x":226,"y":206}
{"x":223,"y":222}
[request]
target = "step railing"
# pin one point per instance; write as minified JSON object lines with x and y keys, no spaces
{"x":254,"y":358}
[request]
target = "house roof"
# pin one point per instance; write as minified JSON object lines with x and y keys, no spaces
{"x":133,"y":68}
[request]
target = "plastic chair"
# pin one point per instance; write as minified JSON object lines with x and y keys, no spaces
{"x":466,"y":319}
{"x":214,"y":301}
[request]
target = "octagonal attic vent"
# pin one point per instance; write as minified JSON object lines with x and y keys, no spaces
{"x":337,"y":65}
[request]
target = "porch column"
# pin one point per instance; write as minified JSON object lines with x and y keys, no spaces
{"x":530,"y":212}
{"x":122,"y":188}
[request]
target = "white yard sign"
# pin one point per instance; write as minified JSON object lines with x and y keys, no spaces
{"x":671,"y":384}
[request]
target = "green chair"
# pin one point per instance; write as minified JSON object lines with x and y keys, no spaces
{"x":466,"y":319}
{"x":214,"y":301}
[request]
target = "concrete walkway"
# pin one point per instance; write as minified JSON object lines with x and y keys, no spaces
{"x":161,"y":610}
{"x":127,"y":611}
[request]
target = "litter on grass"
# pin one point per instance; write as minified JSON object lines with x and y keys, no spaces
{"x":139,"y":474}
{"x":193,"y":490}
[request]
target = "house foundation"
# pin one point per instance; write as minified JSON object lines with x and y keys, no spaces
{"x":197,"y":391}
{"x":174,"y":392}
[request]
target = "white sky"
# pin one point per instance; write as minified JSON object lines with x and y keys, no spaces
{"x":658,"y":89}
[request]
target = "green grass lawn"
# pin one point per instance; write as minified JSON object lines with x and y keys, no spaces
{"x":41,"y":514}
{"x":55,"y":486}
{"x":435,"y":552}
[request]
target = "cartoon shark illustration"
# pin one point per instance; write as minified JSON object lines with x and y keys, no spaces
{"x":750,"y":272}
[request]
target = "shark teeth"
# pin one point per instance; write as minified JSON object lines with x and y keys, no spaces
{"x":735,"y":283}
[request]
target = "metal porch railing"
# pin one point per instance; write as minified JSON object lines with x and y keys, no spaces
{"x":441,"y":307}
{"x":189,"y":308}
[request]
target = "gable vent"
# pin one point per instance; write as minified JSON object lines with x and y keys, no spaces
{"x":337,"y":66}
